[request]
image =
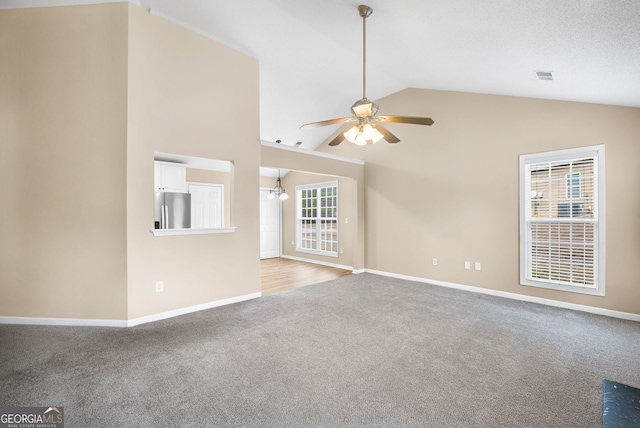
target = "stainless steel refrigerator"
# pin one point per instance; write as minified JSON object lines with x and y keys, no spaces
{"x":172,"y":210}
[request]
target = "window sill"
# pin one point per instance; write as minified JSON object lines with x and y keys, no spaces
{"x":177,"y":232}
{"x":318,"y":253}
{"x":561,"y":287}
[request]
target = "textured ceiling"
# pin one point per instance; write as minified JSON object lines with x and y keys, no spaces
{"x":310,"y":52}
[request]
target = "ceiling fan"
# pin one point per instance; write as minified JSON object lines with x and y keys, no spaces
{"x":368,"y":129}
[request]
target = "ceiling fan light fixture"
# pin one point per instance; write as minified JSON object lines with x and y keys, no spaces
{"x":351,"y":134}
{"x":377,"y":136}
{"x":360,"y":135}
{"x":368,"y":132}
{"x":360,"y":141}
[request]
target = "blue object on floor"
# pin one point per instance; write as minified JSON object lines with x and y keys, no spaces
{"x":621,"y":407}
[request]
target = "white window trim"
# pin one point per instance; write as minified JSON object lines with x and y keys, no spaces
{"x":592,"y":151}
{"x":333,"y":183}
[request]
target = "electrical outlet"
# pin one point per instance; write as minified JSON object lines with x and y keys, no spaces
{"x":434,"y":262}
{"x":477,"y":266}
{"x":346,"y":220}
{"x":341,"y":250}
{"x":159,"y":286}
{"x":467,"y":265}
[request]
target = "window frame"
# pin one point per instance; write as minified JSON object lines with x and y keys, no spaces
{"x":318,"y":241}
{"x":598,"y":154}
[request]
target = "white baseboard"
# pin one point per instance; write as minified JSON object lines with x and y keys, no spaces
{"x":318,"y":262}
{"x":78,"y":322}
{"x":125,"y":323}
{"x":514,"y":296}
{"x":196,"y":308}
{"x":190,"y":309}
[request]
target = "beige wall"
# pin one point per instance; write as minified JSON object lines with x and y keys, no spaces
{"x":63,"y":117}
{"x":87,"y":95}
{"x":450,"y":191}
{"x":183,"y":92}
{"x":267,"y":182}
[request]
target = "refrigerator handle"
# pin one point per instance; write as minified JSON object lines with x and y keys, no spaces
{"x":162,"y":226}
{"x":166,"y":216}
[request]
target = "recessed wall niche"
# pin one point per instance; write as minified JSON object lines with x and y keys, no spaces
{"x":192,"y":195}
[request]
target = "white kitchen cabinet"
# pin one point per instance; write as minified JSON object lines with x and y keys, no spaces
{"x":169,"y":177}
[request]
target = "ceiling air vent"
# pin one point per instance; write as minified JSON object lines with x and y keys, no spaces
{"x":544,"y":75}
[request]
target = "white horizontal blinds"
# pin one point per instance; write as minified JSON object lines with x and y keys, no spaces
{"x":561,"y":222}
{"x":318,"y":218}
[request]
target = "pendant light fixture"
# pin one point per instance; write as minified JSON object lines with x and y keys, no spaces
{"x":278,"y":190}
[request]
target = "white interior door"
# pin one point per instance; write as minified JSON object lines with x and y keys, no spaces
{"x":269,"y":226}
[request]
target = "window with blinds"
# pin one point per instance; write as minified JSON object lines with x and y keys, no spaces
{"x":317,"y":218}
{"x":562,"y":220}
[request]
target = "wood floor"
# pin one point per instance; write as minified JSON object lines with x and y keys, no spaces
{"x":280,"y":274}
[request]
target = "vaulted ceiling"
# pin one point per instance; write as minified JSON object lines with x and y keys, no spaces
{"x":310,"y":51}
